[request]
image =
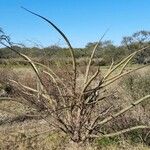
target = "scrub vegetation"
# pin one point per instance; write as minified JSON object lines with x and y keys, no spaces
{"x":66,"y":100}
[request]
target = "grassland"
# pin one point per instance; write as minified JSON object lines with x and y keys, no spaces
{"x":31,"y":133}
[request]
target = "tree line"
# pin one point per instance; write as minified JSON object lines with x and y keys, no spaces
{"x":106,"y":50}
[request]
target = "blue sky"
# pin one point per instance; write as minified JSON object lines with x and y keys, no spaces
{"x":82,"y":21}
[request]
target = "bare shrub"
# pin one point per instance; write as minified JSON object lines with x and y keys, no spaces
{"x":81,"y":109}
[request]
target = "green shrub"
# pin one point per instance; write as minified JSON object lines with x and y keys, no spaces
{"x":107,"y":141}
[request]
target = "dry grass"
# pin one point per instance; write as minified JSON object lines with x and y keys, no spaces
{"x":15,"y":135}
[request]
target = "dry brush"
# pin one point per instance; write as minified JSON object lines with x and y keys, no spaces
{"x":69,"y":105}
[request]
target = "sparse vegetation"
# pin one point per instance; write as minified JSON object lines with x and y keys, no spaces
{"x":76,"y":104}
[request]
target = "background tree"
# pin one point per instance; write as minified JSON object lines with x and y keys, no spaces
{"x":136,"y":41}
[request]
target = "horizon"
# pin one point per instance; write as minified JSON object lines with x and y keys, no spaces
{"x":81,"y":21}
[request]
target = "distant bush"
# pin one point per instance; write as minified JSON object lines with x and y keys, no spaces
{"x":137,"y":85}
